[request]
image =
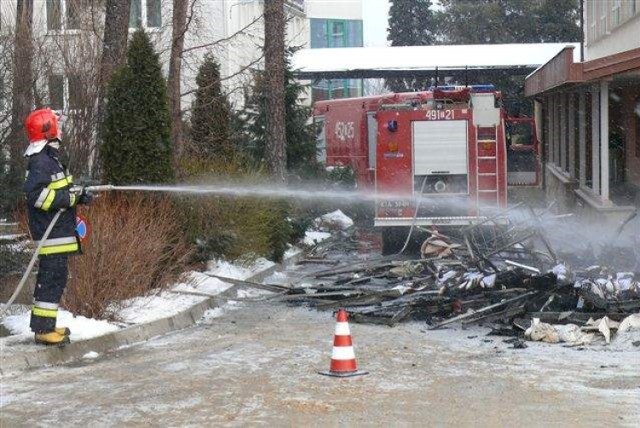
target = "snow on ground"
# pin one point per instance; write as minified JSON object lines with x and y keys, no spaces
{"x":168,"y":303}
{"x":230,"y":270}
{"x":212,"y":313}
{"x":626,"y":341}
{"x":313,"y":237}
{"x":148,"y":308}
{"x":278,"y":278}
{"x":202,"y":283}
{"x":81,"y":328}
{"x":252,"y":293}
{"x":336,"y":218}
{"x":162,"y":305}
{"x":292,"y":251}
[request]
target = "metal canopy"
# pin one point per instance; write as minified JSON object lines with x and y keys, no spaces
{"x":424,"y":61}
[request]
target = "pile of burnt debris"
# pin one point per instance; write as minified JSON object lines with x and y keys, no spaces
{"x":502,"y":272}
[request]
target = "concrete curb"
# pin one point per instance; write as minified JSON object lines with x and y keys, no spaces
{"x":43,"y":357}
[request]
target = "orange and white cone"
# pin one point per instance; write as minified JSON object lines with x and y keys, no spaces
{"x":343,"y":359}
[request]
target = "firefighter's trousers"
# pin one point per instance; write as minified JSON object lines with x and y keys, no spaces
{"x":51,"y":281}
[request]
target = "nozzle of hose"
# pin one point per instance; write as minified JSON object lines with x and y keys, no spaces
{"x":100,"y":188}
{"x":93,"y":189}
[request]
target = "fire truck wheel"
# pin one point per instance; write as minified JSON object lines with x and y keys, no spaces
{"x":393,"y":239}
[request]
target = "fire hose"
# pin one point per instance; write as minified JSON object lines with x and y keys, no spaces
{"x":109,"y":187}
{"x":415,"y":217}
{"x":32,"y":262}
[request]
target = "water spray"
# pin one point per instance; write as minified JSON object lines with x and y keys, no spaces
{"x":227,"y":190}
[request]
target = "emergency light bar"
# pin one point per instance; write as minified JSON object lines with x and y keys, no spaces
{"x":473,"y":88}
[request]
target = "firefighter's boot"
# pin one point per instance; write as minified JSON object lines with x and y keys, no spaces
{"x":63,"y":331}
{"x":52,"y":338}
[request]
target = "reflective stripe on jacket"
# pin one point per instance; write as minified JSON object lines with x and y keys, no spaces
{"x":47,"y":190}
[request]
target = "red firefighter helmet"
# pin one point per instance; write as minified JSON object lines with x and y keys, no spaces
{"x":41,"y":124}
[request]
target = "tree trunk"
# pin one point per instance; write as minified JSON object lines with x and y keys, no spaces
{"x":179,"y":23}
{"x":274,"y":22}
{"x":22,"y":90}
{"x":114,"y":50}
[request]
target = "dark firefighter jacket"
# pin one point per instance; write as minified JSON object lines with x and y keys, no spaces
{"x":47,"y":189}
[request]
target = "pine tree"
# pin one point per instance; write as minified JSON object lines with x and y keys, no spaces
{"x":301,"y":140}
{"x":136,"y":131}
{"x":509,"y":21}
{"x":210,"y":115}
{"x":558,"y":21}
{"x":411,"y":23}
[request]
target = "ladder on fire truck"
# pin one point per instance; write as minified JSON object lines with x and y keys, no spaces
{"x":487,"y":167}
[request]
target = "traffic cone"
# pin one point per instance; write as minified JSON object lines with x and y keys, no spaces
{"x":343,"y":359}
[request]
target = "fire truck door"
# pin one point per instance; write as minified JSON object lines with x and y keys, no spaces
{"x":440,"y":153}
{"x":522,"y":153}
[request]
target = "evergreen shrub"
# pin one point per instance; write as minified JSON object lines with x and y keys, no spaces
{"x":210,"y":116}
{"x":136,"y":139}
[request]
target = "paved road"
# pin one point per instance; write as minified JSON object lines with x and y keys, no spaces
{"x":257,"y":365}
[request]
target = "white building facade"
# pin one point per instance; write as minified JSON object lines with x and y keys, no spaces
{"x":67,"y":42}
{"x":241,"y":29}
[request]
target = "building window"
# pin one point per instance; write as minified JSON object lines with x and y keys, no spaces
{"x":145,"y":14}
{"x":135,"y":14}
{"x":318,"y":33}
{"x":603,"y":17}
{"x":337,"y":88}
{"x":73,"y":10}
{"x":65,"y":93}
{"x":633,"y":8}
{"x":64,"y":14}
{"x":74,"y":92}
{"x":354,"y":33}
{"x":336,"y":33}
{"x":591,"y":17}
{"x":56,"y":92}
{"x":54,"y":15}
{"x":154,"y":16}
{"x":615,"y":13}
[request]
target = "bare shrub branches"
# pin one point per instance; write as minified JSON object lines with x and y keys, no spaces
{"x":136,"y":246}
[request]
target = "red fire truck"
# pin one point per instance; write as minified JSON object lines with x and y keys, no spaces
{"x":454,"y":146}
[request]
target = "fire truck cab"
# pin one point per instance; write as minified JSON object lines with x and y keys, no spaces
{"x":440,"y":157}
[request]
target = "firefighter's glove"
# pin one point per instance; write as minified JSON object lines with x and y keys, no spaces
{"x":84,"y":198}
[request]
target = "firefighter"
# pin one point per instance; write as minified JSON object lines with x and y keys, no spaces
{"x":48,"y":190}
